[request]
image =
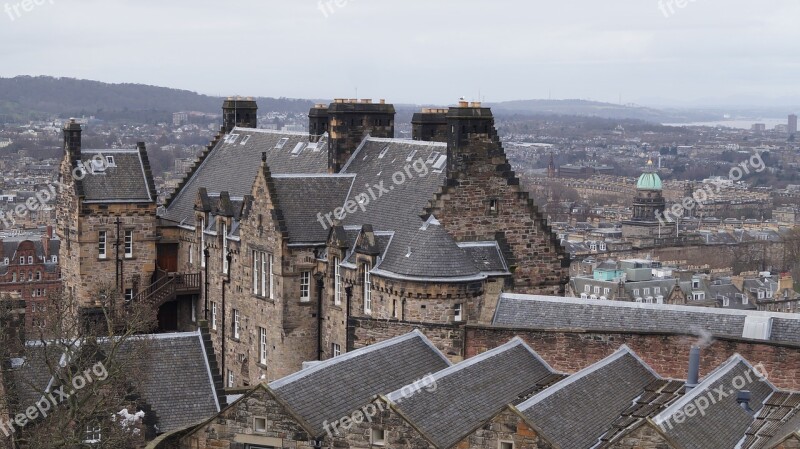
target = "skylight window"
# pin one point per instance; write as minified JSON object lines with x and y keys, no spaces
{"x":411,"y":156}
{"x":232,"y":138}
{"x":110,"y":161}
{"x":432,"y":157}
{"x":383,"y":152}
{"x":246,"y":138}
{"x":281,"y":143}
{"x":298,"y":148}
{"x":440,"y":162}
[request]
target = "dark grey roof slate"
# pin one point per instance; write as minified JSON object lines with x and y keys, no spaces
{"x":232,"y":166}
{"x":460,"y":398}
{"x":301,"y":198}
{"x":336,"y":387}
{"x":416,"y":250}
{"x":577,"y":411}
{"x":530,"y":311}
{"x":724,"y":423}
{"x":124,"y":181}
{"x":486,"y":256}
{"x":175,"y":382}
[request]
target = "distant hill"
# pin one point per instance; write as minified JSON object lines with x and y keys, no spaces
{"x":596,"y":109}
{"x":29,"y":97}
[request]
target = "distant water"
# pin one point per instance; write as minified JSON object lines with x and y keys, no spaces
{"x":738,"y":124}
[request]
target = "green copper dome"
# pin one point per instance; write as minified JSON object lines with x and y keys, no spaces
{"x":649,"y":180}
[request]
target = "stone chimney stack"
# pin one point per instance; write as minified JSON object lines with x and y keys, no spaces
{"x":239,"y":111}
{"x":72,"y":139}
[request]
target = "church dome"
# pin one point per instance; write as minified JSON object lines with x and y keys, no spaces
{"x":649,"y":180}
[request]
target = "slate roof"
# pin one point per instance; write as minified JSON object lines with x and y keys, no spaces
{"x":486,"y":256}
{"x":333,"y":389}
{"x":417,"y":249}
{"x":576,"y":412}
{"x":464,"y":396}
{"x":10,"y":247}
{"x":175,"y":379}
{"x":233,"y":163}
{"x":724,"y":422}
{"x":124,"y":181}
{"x":302,"y":197}
{"x":553,"y":312}
{"x":658,"y":395}
{"x":779,"y":418}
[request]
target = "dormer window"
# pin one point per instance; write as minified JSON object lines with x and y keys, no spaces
{"x":695,"y":284}
{"x":110,"y":161}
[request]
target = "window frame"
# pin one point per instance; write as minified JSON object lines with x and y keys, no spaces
{"x":337,"y":282}
{"x":305,"y":286}
{"x":262,"y":346}
{"x":128,"y":243}
{"x":367,"y":289}
{"x":336,"y":350}
{"x":236,"y":322}
{"x":102,"y":244}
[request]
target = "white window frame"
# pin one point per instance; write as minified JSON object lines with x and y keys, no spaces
{"x":102,"y":244}
{"x":587,"y":288}
{"x":202,"y":242}
{"x":231,"y":379}
{"x":458,"y":310}
{"x":236,"y":318}
{"x":336,"y":350}
{"x":262,"y":346}
{"x":635,"y":292}
{"x":596,"y":290}
{"x":93,"y":433}
{"x":647,"y":291}
{"x":128,"y":294}
{"x":224,"y":230}
{"x":606,"y":291}
{"x":128,"y":243}
{"x":194,"y":312}
{"x":257,"y":427}
{"x":213,"y":315}
{"x":337,"y":282}
{"x":191,"y":254}
{"x":271,"y":276}
{"x":30,"y":260}
{"x":367,"y":290}
{"x":22,"y":260}
{"x":263,"y":259}
{"x":255,"y":271}
{"x":305,"y":286}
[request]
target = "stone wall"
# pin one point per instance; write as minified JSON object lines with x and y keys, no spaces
{"x":643,"y":437}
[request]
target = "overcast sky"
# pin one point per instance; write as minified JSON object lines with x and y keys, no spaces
{"x":419,"y":51}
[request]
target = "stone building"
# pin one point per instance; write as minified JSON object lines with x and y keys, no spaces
{"x":649,"y":226}
{"x":306,"y":232}
{"x":29,"y":265}
{"x":107,"y":221}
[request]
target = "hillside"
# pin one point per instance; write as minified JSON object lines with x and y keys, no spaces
{"x":597,"y":109}
{"x":27,"y":97}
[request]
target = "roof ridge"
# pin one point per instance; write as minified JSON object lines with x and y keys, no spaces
{"x":416,"y":333}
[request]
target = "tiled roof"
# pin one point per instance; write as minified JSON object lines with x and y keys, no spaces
{"x":233,"y":163}
{"x":336,"y":387}
{"x":464,"y":396}
{"x":124,"y":181}
{"x":576,"y":412}
{"x":724,"y":422}
{"x":552,"y":312}
{"x":779,"y":418}
{"x":301,"y":198}
{"x":418,"y":249}
{"x":656,"y":397}
{"x":486,"y":256}
{"x":174,"y":377}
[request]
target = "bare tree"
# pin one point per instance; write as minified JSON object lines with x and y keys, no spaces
{"x":73,"y":381}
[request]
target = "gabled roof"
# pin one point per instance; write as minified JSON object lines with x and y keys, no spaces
{"x":333,"y":389}
{"x":724,"y":422}
{"x":128,"y":179}
{"x":233,"y":163}
{"x":576,"y":412}
{"x":462,"y":397}
{"x":177,"y":382}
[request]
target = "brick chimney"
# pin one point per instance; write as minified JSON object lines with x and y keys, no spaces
{"x":46,"y":238}
{"x":239,"y":111}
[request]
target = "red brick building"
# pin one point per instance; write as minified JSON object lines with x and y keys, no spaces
{"x":29,"y":265}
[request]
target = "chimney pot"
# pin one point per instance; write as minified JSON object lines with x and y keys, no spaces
{"x":383,"y":101}
{"x":693,"y":376}
{"x":463,"y":104}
